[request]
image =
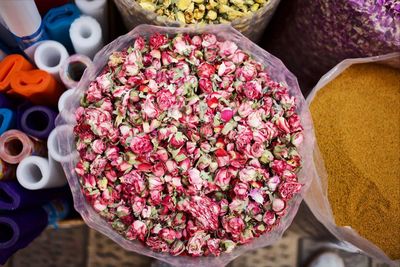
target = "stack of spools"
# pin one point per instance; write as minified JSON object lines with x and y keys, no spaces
{"x":43,"y":56}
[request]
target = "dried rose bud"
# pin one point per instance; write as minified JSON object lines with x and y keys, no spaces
{"x":278,"y":204}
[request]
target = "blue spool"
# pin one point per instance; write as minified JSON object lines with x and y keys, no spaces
{"x":57,"y":23}
{"x":7,"y":119}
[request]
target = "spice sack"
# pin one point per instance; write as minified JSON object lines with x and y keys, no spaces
{"x":356,"y":196}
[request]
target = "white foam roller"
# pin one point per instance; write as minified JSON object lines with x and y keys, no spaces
{"x":36,"y":173}
{"x":62,"y":101}
{"x":96,"y":9}
{"x":86,"y":36}
{"x":49,"y":56}
{"x":59,"y":152}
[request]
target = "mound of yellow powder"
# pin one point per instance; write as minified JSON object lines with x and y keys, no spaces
{"x":357,"y":123}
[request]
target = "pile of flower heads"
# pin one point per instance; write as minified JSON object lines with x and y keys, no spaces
{"x":187,"y":145}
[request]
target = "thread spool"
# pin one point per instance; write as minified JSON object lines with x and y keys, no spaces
{"x":24,"y":21}
{"x":86,"y":36}
{"x":15,"y":146}
{"x":38,"y":121}
{"x":72,"y":69}
{"x":7,"y":119}
{"x":36,"y":173}
{"x":49,"y":56}
{"x":57,"y":23}
{"x":66,"y":151}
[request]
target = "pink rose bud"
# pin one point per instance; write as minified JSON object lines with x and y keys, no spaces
{"x":239,"y":57}
{"x":269,"y":218}
{"x":228,"y":245}
{"x":241,"y":190}
{"x":196,"y":244}
{"x":197,"y":41}
{"x":245,"y":109}
{"x":98,"y":206}
{"x":257,"y":149}
{"x":282,"y":124}
{"x":247,"y":174}
{"x":278,"y":204}
{"x":195,"y":179}
{"x":227,"y":48}
{"x":156,"y":244}
{"x":226,"y":114}
{"x":157,"y":40}
{"x":168,"y":235}
{"x":178,"y":140}
{"x":213,"y":246}
{"x":177,"y":248}
{"x":222,"y":178}
{"x":273,"y":183}
{"x":253,"y":90}
{"x":140,"y":145}
{"x":205,"y":85}
{"x":139,"y":43}
{"x":297,"y":139}
{"x":225,"y":68}
{"x":205,"y":70}
{"x":289,"y":176}
{"x":288,"y":189}
{"x":208,"y":40}
{"x":267,"y":157}
{"x":185,"y":164}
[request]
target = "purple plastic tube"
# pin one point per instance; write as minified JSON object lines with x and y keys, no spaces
{"x":18,"y":229}
{"x":38,"y":121}
{"x":13,"y":196}
{"x":5,"y":102}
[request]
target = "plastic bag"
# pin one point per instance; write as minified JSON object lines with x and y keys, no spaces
{"x":252,"y":26}
{"x":317,"y":196}
{"x":322,"y":33}
{"x":277,"y":72}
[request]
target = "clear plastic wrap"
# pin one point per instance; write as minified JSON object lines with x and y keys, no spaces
{"x":317,"y":196}
{"x":277,"y":72}
{"x":252,"y":26}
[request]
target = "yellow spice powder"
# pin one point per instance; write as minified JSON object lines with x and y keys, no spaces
{"x":357,"y":123}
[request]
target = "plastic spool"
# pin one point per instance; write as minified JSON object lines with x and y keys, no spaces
{"x":96,"y":9}
{"x":38,"y":121}
{"x":57,"y":22}
{"x":24,"y":21}
{"x":86,"y":36}
{"x":65,"y":114}
{"x":55,"y":148}
{"x":7,"y":119}
{"x":15,"y":146}
{"x":36,"y":173}
{"x":49,"y":56}
{"x":72,"y":70}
